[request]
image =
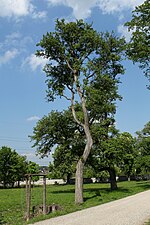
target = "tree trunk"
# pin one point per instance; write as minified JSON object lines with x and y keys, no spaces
{"x":113,"y":182}
{"x":79,"y":182}
{"x":89,"y":142}
{"x":18,"y":184}
{"x":68,"y":178}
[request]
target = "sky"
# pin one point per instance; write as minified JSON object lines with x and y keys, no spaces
{"x":22,"y":87}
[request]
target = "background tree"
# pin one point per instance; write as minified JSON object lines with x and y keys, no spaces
{"x":81,"y":62}
{"x":139,"y":46}
{"x":33,"y":168}
{"x":19,"y":169}
{"x":106,"y":154}
{"x":114,"y":152}
{"x":12,"y":166}
{"x":64,"y":163}
{"x":143,"y":146}
{"x":127,"y":147}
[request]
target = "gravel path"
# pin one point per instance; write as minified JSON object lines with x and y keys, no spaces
{"x":132,"y":210}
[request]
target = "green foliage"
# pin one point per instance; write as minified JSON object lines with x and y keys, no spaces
{"x":71,"y":43}
{"x":12,"y":166}
{"x":64,"y":163}
{"x":33,"y":168}
{"x":139,"y":46}
{"x":114,"y":150}
{"x":127,"y":146}
{"x":143,"y":146}
{"x":81,"y":58}
{"x":58,"y":128}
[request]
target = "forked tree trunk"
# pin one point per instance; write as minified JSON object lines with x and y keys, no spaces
{"x":113,"y":182}
{"x":79,"y":182}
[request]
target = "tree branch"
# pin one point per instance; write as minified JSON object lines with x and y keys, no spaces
{"x":73,"y":111}
{"x":69,"y":99}
{"x":69,"y":66}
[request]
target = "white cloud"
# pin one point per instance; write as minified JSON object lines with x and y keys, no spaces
{"x":33,"y":118}
{"x":8,"y":55}
{"x":111,"y":6}
{"x":19,"y":8}
{"x":124,"y":32}
{"x":40,"y":15}
{"x":15,"y":40}
{"x":82,"y":8}
{"x":11,"y":40}
{"x":35,"y":62}
{"x":16,"y":8}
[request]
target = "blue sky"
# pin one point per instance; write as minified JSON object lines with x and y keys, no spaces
{"x":22,"y":86}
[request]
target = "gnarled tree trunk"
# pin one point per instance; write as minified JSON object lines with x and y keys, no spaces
{"x":79,"y":182}
{"x":80,"y":167}
{"x":89,"y":142}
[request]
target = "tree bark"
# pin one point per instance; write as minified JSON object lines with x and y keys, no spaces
{"x":80,"y":166}
{"x":113,"y":182}
{"x":89,"y":142}
{"x":79,"y":182}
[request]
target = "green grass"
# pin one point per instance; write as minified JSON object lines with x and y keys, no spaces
{"x":12,"y":201}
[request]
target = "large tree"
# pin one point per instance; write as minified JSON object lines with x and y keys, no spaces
{"x":139,"y":46}
{"x":81,"y":64}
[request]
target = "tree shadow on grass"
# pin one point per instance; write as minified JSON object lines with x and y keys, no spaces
{"x":96,"y":191}
{"x":62,"y":191}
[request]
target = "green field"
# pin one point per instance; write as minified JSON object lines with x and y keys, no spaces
{"x":12,"y":201}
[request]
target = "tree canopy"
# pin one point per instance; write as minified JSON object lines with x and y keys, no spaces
{"x":143,"y":146}
{"x":12,"y":166}
{"x":139,"y":46}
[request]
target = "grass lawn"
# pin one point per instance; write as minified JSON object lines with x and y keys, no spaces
{"x":12,"y":201}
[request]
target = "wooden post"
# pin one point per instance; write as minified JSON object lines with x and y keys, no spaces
{"x":26,"y":192}
{"x":28,"y":196}
{"x":44,"y":195}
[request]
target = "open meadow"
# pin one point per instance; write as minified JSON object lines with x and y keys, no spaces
{"x":12,"y":201}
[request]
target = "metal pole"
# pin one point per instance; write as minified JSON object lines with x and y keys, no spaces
{"x":44,"y":195}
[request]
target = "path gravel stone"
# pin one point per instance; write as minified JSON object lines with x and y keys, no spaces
{"x":132,"y":210}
